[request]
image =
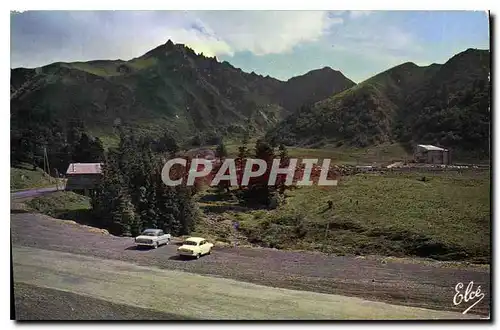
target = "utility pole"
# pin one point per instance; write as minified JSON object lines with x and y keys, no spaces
{"x":57,"y":178}
{"x":46,"y":168}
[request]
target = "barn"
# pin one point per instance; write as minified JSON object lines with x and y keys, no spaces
{"x":429,"y":154}
{"x":83,"y":178}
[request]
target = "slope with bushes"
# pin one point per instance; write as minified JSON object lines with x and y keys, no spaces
{"x":447,"y":217}
{"x":439,"y":104}
{"x":170,"y":87}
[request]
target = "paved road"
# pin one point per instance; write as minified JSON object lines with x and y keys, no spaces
{"x":422,"y":285}
{"x":34,"y":192}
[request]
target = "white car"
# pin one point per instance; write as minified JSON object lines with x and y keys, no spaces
{"x":152,"y":238}
{"x":195,"y":247}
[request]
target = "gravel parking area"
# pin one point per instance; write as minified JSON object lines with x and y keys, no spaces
{"x":413,"y":284}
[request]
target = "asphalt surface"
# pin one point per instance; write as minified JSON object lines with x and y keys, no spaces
{"x":412,"y":284}
{"x":34,"y":192}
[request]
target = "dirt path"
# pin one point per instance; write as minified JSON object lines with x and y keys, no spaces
{"x":429,"y":286}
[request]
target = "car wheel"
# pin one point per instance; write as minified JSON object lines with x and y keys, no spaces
{"x":209,"y":251}
{"x":156,"y":245}
{"x":198,"y":256}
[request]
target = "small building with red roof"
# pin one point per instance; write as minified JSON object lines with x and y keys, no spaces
{"x":83,"y":177}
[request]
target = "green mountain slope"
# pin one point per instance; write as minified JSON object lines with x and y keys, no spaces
{"x":453,"y":107}
{"x":439,"y":104}
{"x":169,"y":87}
{"x":314,"y":86}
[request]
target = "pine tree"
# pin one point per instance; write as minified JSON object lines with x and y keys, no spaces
{"x":110,"y":188}
{"x":246,"y":138}
{"x":123,"y":216}
{"x":167,"y":143}
{"x":97,"y":150}
{"x":221,"y":151}
{"x":168,"y":219}
{"x":132,"y":195}
{"x":197,"y":140}
{"x":284,"y":162}
{"x":113,"y":203}
{"x":187,"y":210}
{"x":147,"y":208}
{"x":258,"y":187}
{"x":147,"y":193}
{"x":265,"y":152}
{"x":88,"y":150}
{"x":283,"y":155}
{"x":241,"y":160}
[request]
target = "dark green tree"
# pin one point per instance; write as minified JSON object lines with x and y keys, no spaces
{"x":188,"y":211}
{"x":132,"y":195}
{"x":258,"y":190}
{"x":111,"y":187}
{"x":283,"y":155}
{"x":88,"y":150}
{"x":167,"y":143}
{"x":123,"y":217}
{"x":221,"y":151}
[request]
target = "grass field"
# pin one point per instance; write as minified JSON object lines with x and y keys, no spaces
{"x":23,"y":177}
{"x":446,"y":217}
{"x":63,"y":205}
{"x":384,"y":153}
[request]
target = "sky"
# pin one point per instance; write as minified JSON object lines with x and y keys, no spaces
{"x":281,"y":44}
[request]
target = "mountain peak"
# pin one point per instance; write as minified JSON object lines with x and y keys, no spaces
{"x":312,"y":87}
{"x":408,"y":65}
{"x":325,"y":69}
{"x":471,"y":52}
{"x":168,"y":47}
{"x":169,"y":43}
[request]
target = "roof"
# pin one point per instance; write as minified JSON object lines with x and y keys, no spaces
{"x":84,"y":168}
{"x":151,"y":230}
{"x":194,"y":239}
{"x":430,"y":147}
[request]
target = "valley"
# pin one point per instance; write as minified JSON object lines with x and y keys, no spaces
{"x":385,"y":243}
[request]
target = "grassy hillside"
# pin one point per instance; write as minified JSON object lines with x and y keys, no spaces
{"x":24,"y":177}
{"x":168,"y":88}
{"x":65,"y":205}
{"x":440,"y":104}
{"x":446,"y":218}
{"x":312,"y":87}
{"x":382,"y":153}
{"x":453,"y":107}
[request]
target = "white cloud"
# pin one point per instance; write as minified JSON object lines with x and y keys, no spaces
{"x":377,"y":38}
{"x":267,"y":32}
{"x":228,"y":32}
{"x":70,"y":36}
{"x":359,"y":13}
